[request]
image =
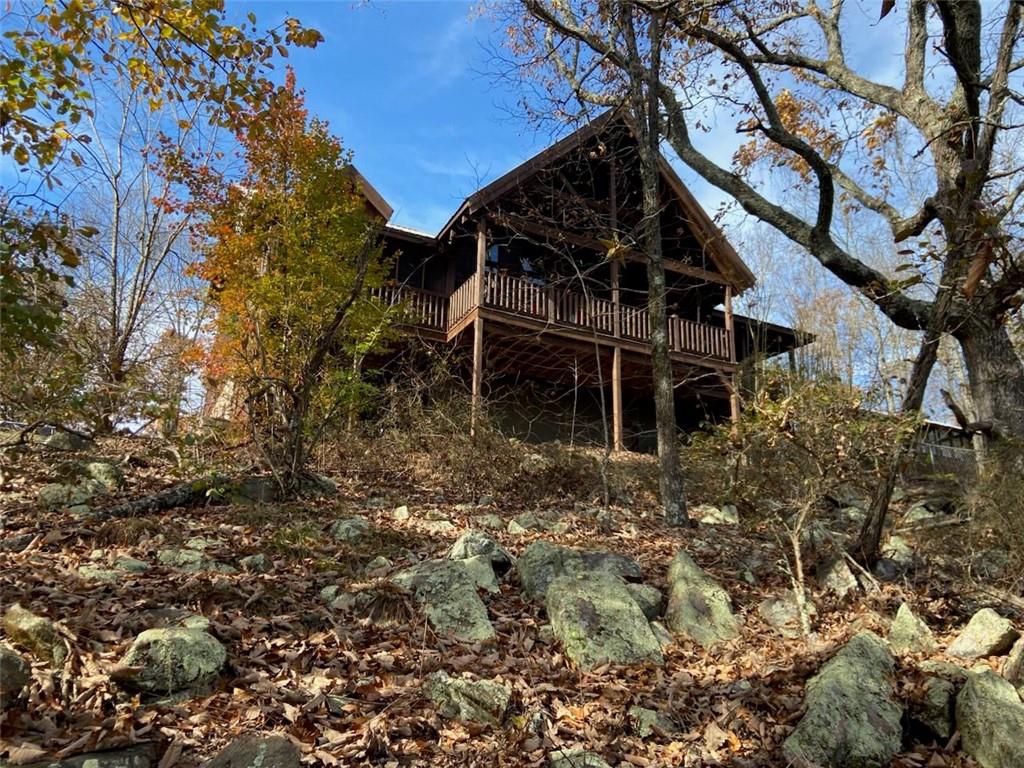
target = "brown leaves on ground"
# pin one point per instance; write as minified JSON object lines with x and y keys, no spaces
{"x":347,"y":691}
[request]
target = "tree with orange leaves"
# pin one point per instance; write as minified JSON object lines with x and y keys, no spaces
{"x":290,"y":254}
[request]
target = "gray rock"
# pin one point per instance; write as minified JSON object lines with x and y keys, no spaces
{"x":622,"y":566}
{"x":438,"y":526}
{"x":449,"y":598}
{"x":173,"y":659}
{"x":66,"y":441}
{"x":990,"y":717}
{"x":664,"y":637}
{"x":648,"y":598}
{"x":475,"y":543}
{"x":15,"y":673}
{"x":38,"y":634}
{"x":131,"y":564}
{"x":258,"y":751}
{"x":645,"y":721}
{"x":837,"y":577}
{"x":108,"y":475}
{"x":542,"y":562}
{"x":481,"y":570}
{"x":986,"y":634}
{"x":250,"y":491}
{"x":57,"y":496}
{"x":899,"y":551}
{"x":379,"y":563}
{"x":349,"y":530}
{"x":258,"y":563}
{"x":201,"y":543}
{"x":852,"y":715}
{"x":484,"y":501}
{"x":910,"y":634}
{"x":698,"y":606}
{"x":491,"y":521}
{"x":887,"y":569}
{"x":575,"y":758}
{"x":188,"y":560}
{"x":17,"y":543}
{"x":596,"y":619}
{"x":457,"y":698}
{"x":91,"y":572}
{"x":783,"y":613}
{"x":400,"y":513}
{"x":136,"y":756}
{"x":711,"y":515}
{"x":1013,"y":667}
{"x":935,"y":711}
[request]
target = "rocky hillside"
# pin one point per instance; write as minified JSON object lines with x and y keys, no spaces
{"x":389,"y":624}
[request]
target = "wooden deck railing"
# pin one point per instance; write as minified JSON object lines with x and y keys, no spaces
{"x":526,"y":298}
{"x":424,"y":308}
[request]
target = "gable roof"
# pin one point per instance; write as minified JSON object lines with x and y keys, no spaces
{"x":721,"y":251}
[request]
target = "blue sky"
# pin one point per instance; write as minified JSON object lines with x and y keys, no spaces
{"x":409,"y":88}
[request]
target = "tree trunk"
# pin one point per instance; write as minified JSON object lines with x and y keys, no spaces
{"x":995,"y":374}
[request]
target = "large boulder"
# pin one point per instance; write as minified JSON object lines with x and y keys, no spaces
{"x":909,"y":633}
{"x":541,"y":563}
{"x":990,"y":716}
{"x":173,"y":659}
{"x":14,"y":675}
{"x":477,"y":544}
{"x":447,"y":592}
{"x":470,"y":701}
{"x":852,"y":715}
{"x":986,"y":634}
{"x":597,"y":621}
{"x":698,"y":606}
{"x":36,"y":633}
{"x":1013,"y":667}
{"x":256,"y":750}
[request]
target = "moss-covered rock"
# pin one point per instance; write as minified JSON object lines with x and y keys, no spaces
{"x":38,"y":634}
{"x":853,"y":714}
{"x":476,"y":543}
{"x":698,"y":606}
{"x":934,"y":712}
{"x":448,"y":595}
{"x":910,"y":634}
{"x":258,"y":563}
{"x":648,"y":598}
{"x":105,"y":473}
{"x":57,"y":496}
{"x":14,"y":675}
{"x":131,"y":564}
{"x":481,"y":570}
{"x":174,"y":659}
{"x":255,"y":750}
{"x":350,"y":529}
{"x":541,"y":563}
{"x":646,"y":721}
{"x":457,"y":698}
{"x":597,"y":620}
{"x":1013,"y":667}
{"x":990,"y":717}
{"x":986,"y":634}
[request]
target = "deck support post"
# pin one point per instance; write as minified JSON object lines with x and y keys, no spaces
{"x":478,"y":327}
{"x":617,"y":444}
{"x":730,"y":332}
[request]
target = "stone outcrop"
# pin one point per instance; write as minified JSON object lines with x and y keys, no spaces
{"x":990,"y":717}
{"x":698,"y":606}
{"x":853,"y":714}
{"x":173,"y":659}
{"x":14,"y":675}
{"x":477,"y":544}
{"x":469,"y":701}
{"x":257,"y":751}
{"x":447,"y":593}
{"x":597,"y":620}
{"x":37,"y":633}
{"x":910,"y":634}
{"x":986,"y":634}
{"x":542,"y":562}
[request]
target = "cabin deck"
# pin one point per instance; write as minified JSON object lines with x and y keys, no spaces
{"x":556,"y":312}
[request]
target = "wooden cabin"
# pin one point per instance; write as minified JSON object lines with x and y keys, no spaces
{"x":539,"y":277}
